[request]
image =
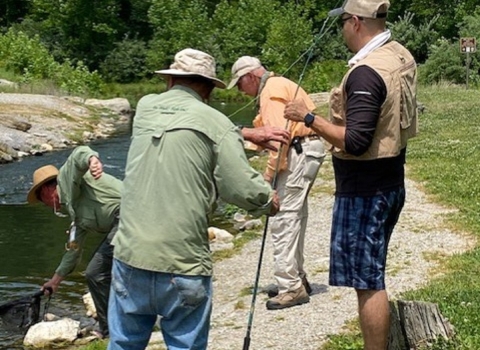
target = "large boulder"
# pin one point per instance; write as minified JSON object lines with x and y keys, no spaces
{"x":118,"y":105}
{"x":49,"y":334}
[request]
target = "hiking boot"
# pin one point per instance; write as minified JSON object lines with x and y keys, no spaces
{"x":288,"y":299}
{"x":272,"y":289}
{"x":305,"y":283}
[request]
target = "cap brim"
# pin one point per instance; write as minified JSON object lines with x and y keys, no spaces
{"x":218,"y":83}
{"x":32,"y":194}
{"x":232,"y":83}
{"x":336,"y":12}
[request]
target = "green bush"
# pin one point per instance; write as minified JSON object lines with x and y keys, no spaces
{"x":445,"y":63}
{"x":280,"y":51}
{"x":322,"y":76}
{"x":28,"y":57}
{"x":23,"y":55}
{"x":415,"y":38}
{"x":126,"y":63}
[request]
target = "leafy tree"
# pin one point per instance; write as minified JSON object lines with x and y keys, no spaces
{"x":444,"y":63}
{"x":85,"y":29}
{"x":174,"y":30}
{"x":241,"y":27}
{"x":12,"y":11}
{"x":288,"y":37}
{"x":125,"y":63}
{"x":415,"y":38}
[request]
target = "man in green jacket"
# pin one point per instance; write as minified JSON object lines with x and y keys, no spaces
{"x":92,"y":200}
{"x":183,"y":156}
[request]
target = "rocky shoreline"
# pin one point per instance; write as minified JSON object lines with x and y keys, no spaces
{"x":33,"y":124}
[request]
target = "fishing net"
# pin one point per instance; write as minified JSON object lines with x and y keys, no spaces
{"x":22,"y":313}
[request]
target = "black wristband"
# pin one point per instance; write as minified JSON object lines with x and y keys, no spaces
{"x":309,"y":119}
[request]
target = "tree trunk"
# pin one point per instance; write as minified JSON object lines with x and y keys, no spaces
{"x":413,"y":325}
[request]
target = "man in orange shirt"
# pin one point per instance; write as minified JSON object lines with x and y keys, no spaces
{"x":298,"y":166}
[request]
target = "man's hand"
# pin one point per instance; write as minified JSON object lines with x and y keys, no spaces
{"x":96,"y":167}
{"x":263,"y":135}
{"x":275,"y":204}
{"x":296,"y":111}
{"x":52,"y":284}
{"x":267,"y":177}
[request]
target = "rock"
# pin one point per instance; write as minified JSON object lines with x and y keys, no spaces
{"x":46,"y":147}
{"x":7,"y":83}
{"x":49,"y":334}
{"x":251,"y":224}
{"x":320,"y":98}
{"x":117,"y":105}
{"x":21,"y":154}
{"x":89,"y":305}
{"x":220,"y":235}
{"x":216,"y":246}
{"x":239,"y":217}
{"x":15,"y":123}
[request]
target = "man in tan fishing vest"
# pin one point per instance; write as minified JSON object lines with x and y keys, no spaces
{"x":298,"y":165}
{"x":373,"y":114}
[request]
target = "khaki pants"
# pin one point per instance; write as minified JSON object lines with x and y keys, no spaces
{"x":289,"y":225}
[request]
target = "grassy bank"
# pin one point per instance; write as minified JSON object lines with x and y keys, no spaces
{"x":445,"y":158}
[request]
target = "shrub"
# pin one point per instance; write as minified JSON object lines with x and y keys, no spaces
{"x":28,"y":57}
{"x":415,"y":38}
{"x":444,"y":63}
{"x":322,"y":76}
{"x":126,"y":63}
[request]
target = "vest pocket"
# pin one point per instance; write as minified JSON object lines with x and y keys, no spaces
{"x":408,"y":103}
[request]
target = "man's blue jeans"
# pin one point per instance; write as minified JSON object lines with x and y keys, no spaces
{"x":138,"y":296}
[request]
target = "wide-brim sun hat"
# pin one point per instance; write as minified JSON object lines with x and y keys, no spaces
{"x":242,"y":66}
{"x":191,"y":62}
{"x":41,"y":176}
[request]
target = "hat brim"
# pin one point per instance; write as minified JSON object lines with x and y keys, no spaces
{"x":218,"y":83}
{"x":336,"y":12}
{"x":233,"y":82}
{"x":32,"y":194}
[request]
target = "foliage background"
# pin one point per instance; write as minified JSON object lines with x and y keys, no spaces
{"x":124,"y":41}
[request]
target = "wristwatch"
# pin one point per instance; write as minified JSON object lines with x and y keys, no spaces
{"x":309,"y":119}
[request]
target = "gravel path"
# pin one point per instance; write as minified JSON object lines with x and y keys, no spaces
{"x":419,"y":234}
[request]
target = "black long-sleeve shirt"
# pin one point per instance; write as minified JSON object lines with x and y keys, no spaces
{"x":366,"y":93}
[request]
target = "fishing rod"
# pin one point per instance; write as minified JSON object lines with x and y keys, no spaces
{"x":247,"y":339}
{"x":309,"y":51}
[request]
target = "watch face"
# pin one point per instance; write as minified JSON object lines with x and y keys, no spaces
{"x":309,"y":119}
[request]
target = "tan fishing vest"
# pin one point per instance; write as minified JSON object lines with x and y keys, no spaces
{"x":398,"y":115}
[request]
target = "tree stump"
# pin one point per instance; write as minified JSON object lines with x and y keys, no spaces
{"x":413,"y":325}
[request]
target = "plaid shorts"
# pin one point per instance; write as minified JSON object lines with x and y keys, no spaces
{"x":361,"y":231}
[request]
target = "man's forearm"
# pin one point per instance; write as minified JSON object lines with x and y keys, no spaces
{"x":333,"y":134}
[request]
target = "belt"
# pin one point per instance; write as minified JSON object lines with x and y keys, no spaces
{"x":311,"y":137}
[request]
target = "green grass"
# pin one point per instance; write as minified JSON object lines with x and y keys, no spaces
{"x":445,"y":158}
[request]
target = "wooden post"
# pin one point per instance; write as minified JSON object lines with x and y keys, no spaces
{"x":414,"y":324}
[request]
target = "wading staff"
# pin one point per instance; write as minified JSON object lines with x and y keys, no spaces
{"x":246,"y":340}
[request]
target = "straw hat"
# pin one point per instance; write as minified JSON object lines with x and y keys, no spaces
{"x":190,"y":62}
{"x":40,"y":177}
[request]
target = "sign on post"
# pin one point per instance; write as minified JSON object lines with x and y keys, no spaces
{"x":468,"y":45}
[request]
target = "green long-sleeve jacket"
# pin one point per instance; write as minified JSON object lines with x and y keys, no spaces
{"x":92,"y":204}
{"x":183,"y":155}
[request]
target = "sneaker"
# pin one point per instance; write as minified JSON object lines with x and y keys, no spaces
{"x":289,"y":299}
{"x":272,"y":289}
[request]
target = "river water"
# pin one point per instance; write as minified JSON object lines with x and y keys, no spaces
{"x":32,"y":238}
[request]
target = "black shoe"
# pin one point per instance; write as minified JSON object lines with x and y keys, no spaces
{"x":272,"y":289}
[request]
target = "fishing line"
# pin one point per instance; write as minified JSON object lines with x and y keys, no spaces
{"x":316,"y":40}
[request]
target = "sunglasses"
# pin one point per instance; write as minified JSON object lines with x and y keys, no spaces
{"x":342,"y":21}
